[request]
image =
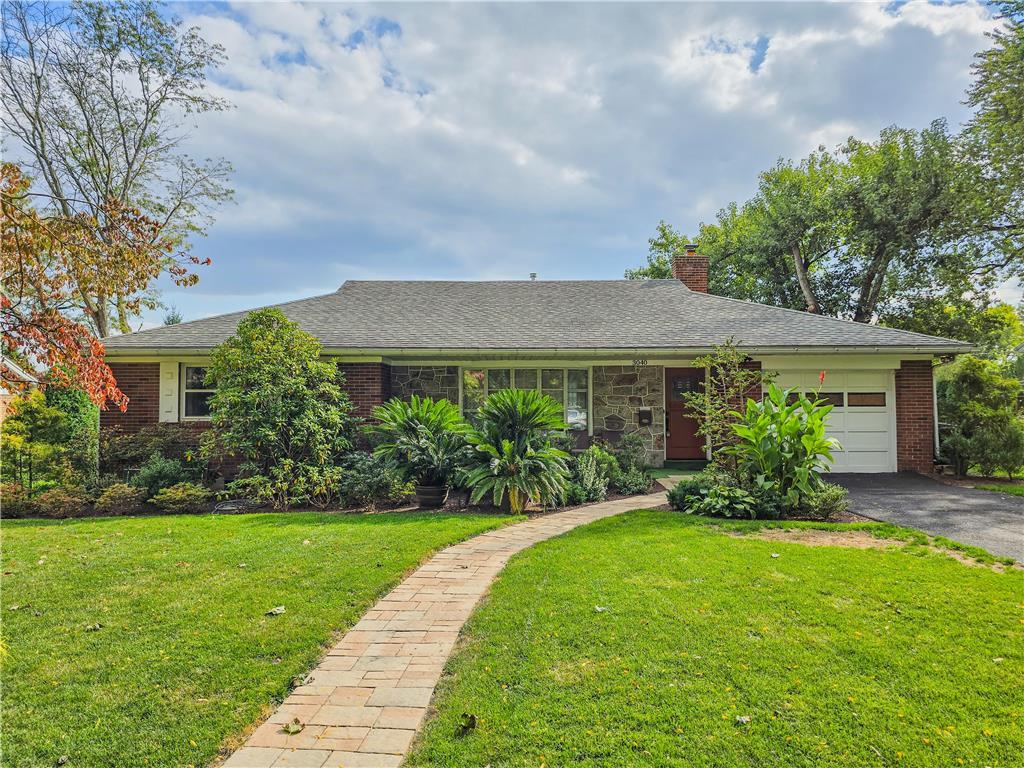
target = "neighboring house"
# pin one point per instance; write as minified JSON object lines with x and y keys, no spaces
{"x":616,"y":353}
{"x":11,"y":373}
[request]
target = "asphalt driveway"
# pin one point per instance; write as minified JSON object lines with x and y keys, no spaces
{"x":993,"y":521}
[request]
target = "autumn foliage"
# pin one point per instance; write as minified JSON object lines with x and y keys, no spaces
{"x":52,"y":264}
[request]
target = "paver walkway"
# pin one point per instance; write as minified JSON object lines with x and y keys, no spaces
{"x":364,"y":703}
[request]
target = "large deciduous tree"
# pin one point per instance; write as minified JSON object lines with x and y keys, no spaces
{"x":97,"y":95}
{"x":46,"y":259}
{"x":872,"y":229}
{"x":996,"y":131}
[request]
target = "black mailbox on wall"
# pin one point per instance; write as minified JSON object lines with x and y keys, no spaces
{"x":644,"y":417}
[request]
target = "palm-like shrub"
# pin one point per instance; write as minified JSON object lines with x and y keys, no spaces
{"x":425,"y":438}
{"x":512,"y":451}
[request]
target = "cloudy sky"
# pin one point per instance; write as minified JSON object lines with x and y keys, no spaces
{"x":473,"y":141}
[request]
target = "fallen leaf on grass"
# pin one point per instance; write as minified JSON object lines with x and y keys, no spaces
{"x":599,"y":609}
{"x":276,"y":611}
{"x":93,"y":627}
{"x":743,"y":719}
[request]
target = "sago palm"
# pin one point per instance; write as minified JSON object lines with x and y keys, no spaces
{"x":512,"y":451}
{"x":425,"y":438}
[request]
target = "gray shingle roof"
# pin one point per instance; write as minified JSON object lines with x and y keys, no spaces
{"x":574,"y":314}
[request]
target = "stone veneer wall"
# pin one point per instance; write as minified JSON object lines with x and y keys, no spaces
{"x":434,"y":381}
{"x":620,"y":391}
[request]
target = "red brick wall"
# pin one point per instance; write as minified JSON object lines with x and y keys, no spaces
{"x":368,"y":385}
{"x":692,"y":270}
{"x":141,"y":382}
{"x":915,"y":417}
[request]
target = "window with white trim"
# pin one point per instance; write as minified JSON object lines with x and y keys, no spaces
{"x":195,"y":395}
{"x":568,"y":386}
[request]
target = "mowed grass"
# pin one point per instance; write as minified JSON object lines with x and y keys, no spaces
{"x":145,"y":641}
{"x":654,"y":639}
{"x":1014,"y":489}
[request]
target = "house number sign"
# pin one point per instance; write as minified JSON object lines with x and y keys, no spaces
{"x":640,"y":363}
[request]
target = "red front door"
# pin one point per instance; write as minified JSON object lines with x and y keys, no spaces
{"x":681,"y":438}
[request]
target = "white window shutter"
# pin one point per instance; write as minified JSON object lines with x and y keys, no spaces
{"x":169,"y":391}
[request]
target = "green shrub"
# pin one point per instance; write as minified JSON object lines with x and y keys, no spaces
{"x":369,"y":481}
{"x":691,"y":494}
{"x":120,"y":499}
{"x":15,"y":501}
{"x":512,"y":453}
{"x":32,"y":451}
{"x":158,"y":473}
{"x":685,"y":488}
{"x":182,"y":498}
{"x":121,"y":450}
{"x":631,"y":452}
{"x":362,"y":480}
{"x":425,"y":438}
{"x":781,"y":443}
{"x":563,"y":441}
{"x":278,"y":405}
{"x":607,"y":463}
{"x":587,"y":481}
{"x":61,"y":502}
{"x":982,"y":405}
{"x":771,"y":505}
{"x":827,"y":501}
{"x":632,"y":481}
{"x":998,"y":444}
{"x":80,"y":430}
{"x":723,"y":501}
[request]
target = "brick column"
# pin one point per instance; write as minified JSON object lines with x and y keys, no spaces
{"x":141,"y":382}
{"x":915,"y":417}
{"x":368,"y":385}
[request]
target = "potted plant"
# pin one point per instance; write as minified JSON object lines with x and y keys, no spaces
{"x":426,"y":439}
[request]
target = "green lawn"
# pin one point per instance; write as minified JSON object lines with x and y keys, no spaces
{"x":184,"y":657}
{"x":648,"y":639}
{"x":1016,"y":490}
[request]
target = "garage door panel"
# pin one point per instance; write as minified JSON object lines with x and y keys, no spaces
{"x":865,"y":441}
{"x":867,"y":421}
{"x":864,"y":433}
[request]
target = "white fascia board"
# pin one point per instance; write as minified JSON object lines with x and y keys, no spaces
{"x":386,"y":354}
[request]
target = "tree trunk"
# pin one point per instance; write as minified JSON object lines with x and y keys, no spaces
{"x":871,"y":286}
{"x":805,"y":282}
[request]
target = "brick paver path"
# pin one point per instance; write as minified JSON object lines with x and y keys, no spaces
{"x":365,"y":701}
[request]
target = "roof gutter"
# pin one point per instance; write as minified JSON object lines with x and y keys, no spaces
{"x":533,"y":352}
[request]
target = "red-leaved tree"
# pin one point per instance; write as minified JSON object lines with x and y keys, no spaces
{"x":46,"y":261}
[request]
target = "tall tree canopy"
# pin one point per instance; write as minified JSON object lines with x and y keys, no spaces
{"x":46,"y":260}
{"x":996,"y":131}
{"x":97,"y":95}
{"x":914,"y":229}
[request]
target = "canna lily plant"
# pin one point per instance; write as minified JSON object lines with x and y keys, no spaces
{"x":781,"y":442}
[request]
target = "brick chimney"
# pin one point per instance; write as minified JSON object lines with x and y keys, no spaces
{"x":692,"y":269}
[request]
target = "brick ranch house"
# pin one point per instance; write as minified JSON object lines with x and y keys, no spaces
{"x":616,"y":353}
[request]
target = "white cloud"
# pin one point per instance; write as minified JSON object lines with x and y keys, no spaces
{"x":474,"y":140}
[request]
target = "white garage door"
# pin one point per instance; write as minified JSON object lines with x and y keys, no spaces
{"x":863,"y":419}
